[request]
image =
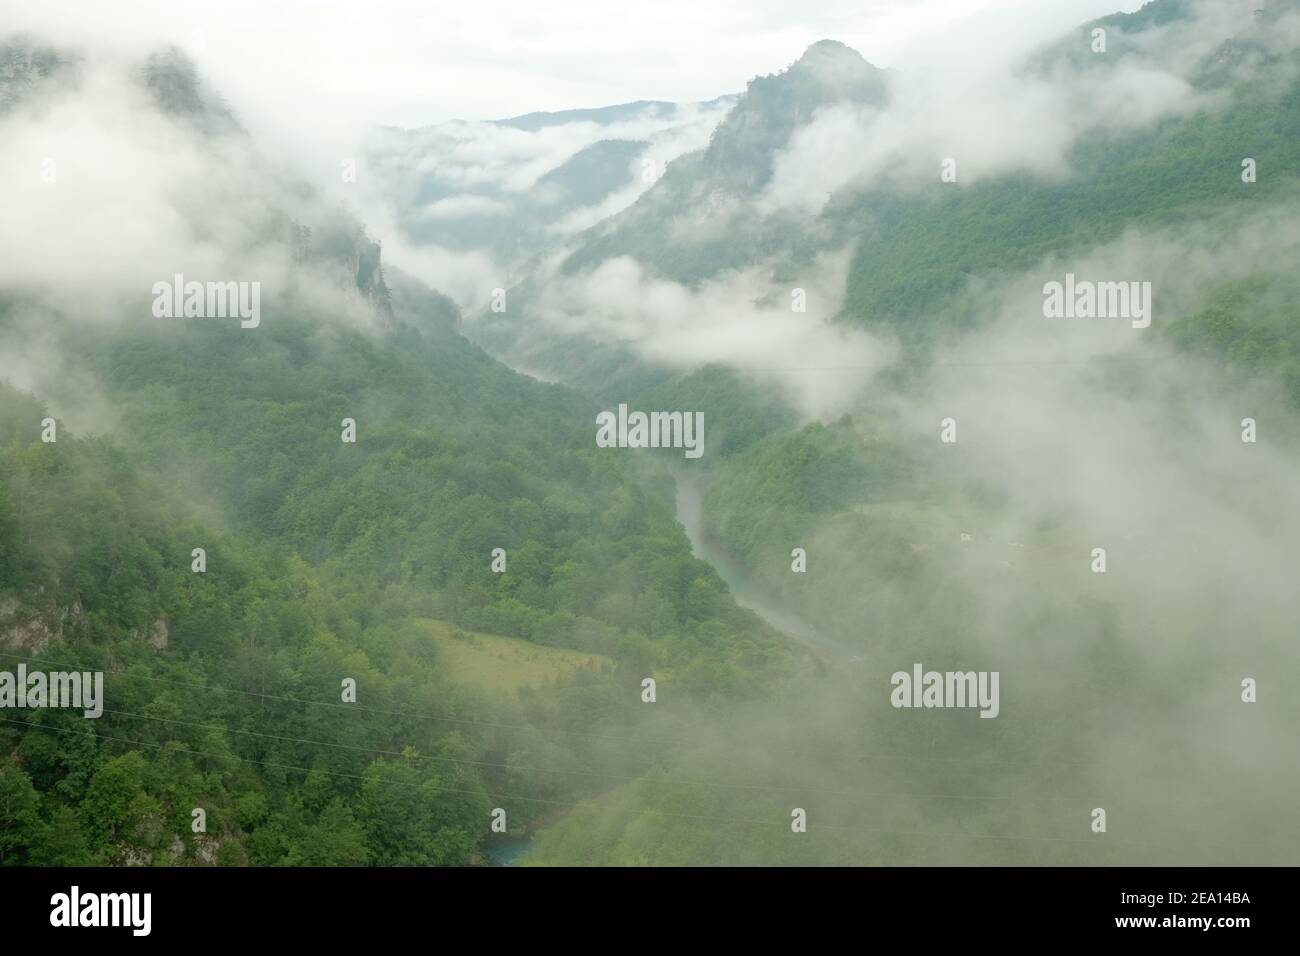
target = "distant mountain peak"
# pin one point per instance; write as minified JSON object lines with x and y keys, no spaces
{"x":828,"y":47}
{"x":744,"y":145}
{"x":173,"y":78}
{"x":832,"y":62}
{"x":829,"y":51}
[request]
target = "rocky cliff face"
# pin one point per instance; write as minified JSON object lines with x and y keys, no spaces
{"x":29,"y":625}
{"x":28,"y":628}
{"x":370,"y":276}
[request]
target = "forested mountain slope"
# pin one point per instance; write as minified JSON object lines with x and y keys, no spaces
{"x":134,"y":440}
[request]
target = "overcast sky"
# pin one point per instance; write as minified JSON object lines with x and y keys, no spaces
{"x":410,"y":63}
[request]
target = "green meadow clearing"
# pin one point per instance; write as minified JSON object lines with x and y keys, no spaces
{"x":504,"y":664}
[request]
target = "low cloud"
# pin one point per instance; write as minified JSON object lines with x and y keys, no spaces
{"x":509,"y":159}
{"x":744,"y":319}
{"x":460,"y":207}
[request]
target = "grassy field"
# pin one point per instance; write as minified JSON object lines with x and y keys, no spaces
{"x":504,"y":664}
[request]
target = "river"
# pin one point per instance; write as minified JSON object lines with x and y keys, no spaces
{"x":690,"y":513}
{"x":689,"y":504}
